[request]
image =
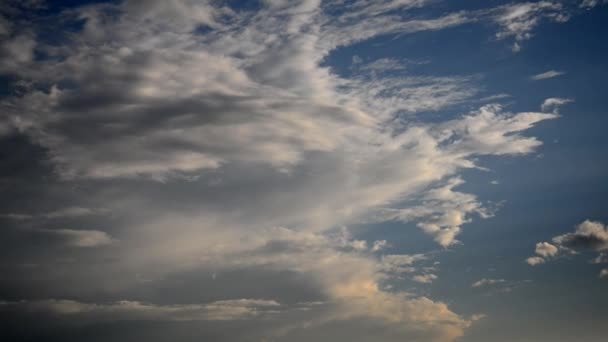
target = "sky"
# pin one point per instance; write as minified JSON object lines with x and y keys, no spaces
{"x":281,"y":170}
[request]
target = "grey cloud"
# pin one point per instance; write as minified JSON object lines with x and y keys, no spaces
{"x":133,"y":310}
{"x":80,"y":238}
{"x":588,"y":235}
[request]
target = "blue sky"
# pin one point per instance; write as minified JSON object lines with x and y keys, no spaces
{"x":277,"y":170}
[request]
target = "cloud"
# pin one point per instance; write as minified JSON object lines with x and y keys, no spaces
{"x":545,"y":249}
{"x":68,"y":212}
{"x":588,"y":235}
{"x":533,"y":261}
{"x":379,"y":245}
{"x":133,"y":310}
{"x":487,"y":282}
{"x":517,"y":21}
{"x":222,"y":143}
{"x":602,"y":258}
{"x":424,"y":278}
{"x":80,"y":238}
{"x":604,"y":273}
{"x":552,"y":104}
{"x":546,"y":75}
{"x":592,"y":3}
{"x":442,"y":213}
{"x":400,"y":263}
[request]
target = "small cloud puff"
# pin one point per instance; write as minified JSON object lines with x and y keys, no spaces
{"x":546,"y":249}
{"x":424,"y":278}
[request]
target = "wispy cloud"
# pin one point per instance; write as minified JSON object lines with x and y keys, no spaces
{"x":547,"y":74}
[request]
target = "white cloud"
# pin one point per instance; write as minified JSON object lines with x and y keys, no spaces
{"x":441,"y":213}
{"x":547,"y":75}
{"x":552,"y":104}
{"x":487,"y":282}
{"x":545,"y":249}
{"x":68,"y":212}
{"x":604,"y":273}
{"x":592,"y":3}
{"x":424,"y":278}
{"x":533,"y":261}
{"x":379,"y":245}
{"x":517,"y":21}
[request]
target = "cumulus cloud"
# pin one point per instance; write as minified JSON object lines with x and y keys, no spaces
{"x":546,"y":75}
{"x":545,"y":249}
{"x":533,"y":261}
{"x":588,"y":235}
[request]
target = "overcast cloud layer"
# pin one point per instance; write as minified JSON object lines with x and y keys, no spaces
{"x":186,"y":161}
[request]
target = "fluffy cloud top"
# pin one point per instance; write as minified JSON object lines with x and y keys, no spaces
{"x":588,"y":235}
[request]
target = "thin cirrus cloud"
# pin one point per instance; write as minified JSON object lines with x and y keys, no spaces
{"x":546,"y":75}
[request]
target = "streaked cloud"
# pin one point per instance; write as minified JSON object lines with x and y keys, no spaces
{"x":80,"y":238}
{"x":133,"y":310}
{"x":547,"y":74}
{"x":487,"y":282}
{"x":554,"y":103}
{"x":518,"y":20}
